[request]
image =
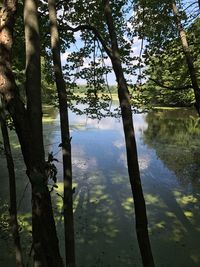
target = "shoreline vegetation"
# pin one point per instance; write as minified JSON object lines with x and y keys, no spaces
{"x":114,"y":97}
{"x":140,"y":99}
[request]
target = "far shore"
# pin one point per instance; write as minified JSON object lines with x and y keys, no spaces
{"x":114,"y":97}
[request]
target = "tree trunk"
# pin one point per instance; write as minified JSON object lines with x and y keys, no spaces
{"x":45,"y":242}
{"x":188,"y":57}
{"x":12,"y":190}
{"x":131,"y":149}
{"x":33,"y":79}
{"x":65,"y":138}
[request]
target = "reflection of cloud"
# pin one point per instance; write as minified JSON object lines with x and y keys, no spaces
{"x":84,"y":164}
{"x":144,"y":162}
{"x":109,"y":123}
{"x":104,"y":124}
{"x":118,"y":143}
{"x":122,"y":157}
{"x":139,"y":122}
{"x":81,"y":161}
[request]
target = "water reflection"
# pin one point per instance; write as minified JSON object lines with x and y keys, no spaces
{"x":103,"y":207}
{"x":175,"y":136}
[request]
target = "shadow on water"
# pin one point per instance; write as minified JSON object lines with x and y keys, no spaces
{"x":168,"y":144}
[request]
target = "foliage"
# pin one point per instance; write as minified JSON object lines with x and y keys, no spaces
{"x":86,"y":59}
{"x":169,"y":69}
{"x":89,"y":61}
{"x":154,"y":22}
{"x":50,"y":167}
{"x":163,"y":61}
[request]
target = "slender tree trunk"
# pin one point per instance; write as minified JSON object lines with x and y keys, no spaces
{"x":33,"y":78}
{"x":45,"y":241}
{"x":12,"y":189}
{"x":188,"y":57}
{"x":131,"y":149}
{"x":65,"y":138}
{"x":8,"y":87}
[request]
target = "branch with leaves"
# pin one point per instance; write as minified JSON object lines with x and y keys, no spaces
{"x":96,"y":33}
{"x":161,"y":84}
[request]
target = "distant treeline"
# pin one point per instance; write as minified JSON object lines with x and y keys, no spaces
{"x":82,"y":89}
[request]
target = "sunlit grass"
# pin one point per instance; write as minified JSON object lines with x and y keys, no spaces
{"x":48,"y":119}
{"x":114,"y":95}
{"x":166,"y":108}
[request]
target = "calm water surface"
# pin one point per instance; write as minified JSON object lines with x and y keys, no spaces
{"x":169,"y":156}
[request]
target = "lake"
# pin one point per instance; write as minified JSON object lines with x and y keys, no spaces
{"x":168,"y":144}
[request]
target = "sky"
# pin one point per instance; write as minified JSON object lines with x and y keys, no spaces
{"x":136,"y":47}
{"x":111,"y":77}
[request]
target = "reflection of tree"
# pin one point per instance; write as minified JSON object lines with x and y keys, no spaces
{"x":49,"y":112}
{"x":175,"y":137}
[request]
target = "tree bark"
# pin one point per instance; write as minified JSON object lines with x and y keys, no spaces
{"x":131,"y":149}
{"x":65,"y":138}
{"x":12,"y":192}
{"x":45,"y":242}
{"x":33,"y":79}
{"x":188,"y":57}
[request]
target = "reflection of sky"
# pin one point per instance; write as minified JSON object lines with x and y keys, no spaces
{"x":99,"y":163}
{"x":103,"y":200}
{"x":100,"y":144}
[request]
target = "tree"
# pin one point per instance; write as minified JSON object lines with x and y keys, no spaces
{"x":168,"y":80}
{"x":159,"y":32}
{"x":188,"y":56}
{"x":65,"y":138}
{"x":131,"y":149}
{"x":102,"y":26}
{"x":45,"y":246}
{"x":12,"y":188}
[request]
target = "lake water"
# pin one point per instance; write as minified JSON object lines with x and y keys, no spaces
{"x":168,"y":144}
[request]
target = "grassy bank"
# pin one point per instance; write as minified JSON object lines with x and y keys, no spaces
{"x":83,"y":95}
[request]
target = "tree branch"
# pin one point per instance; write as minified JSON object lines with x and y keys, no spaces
{"x":96,"y":33}
{"x":170,"y":87}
